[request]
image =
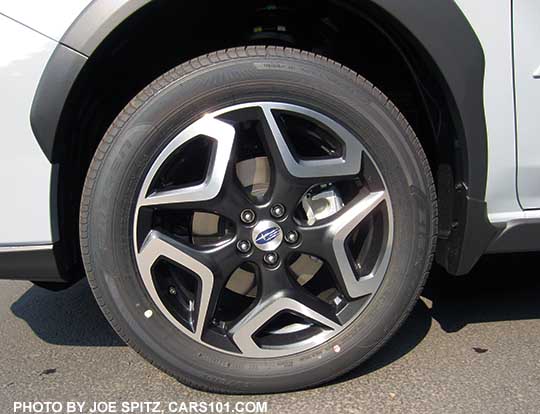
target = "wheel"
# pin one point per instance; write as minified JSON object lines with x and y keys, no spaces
{"x":258,"y":220}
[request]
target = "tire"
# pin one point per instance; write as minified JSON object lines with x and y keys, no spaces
{"x":146,"y":128}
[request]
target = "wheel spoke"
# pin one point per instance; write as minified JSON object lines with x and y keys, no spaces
{"x":158,"y":245}
{"x":227,"y":203}
{"x":333,"y":237}
{"x":244,"y":330}
{"x":346,"y":165}
{"x":293,"y":177}
{"x":341,"y":228}
{"x":289,"y":190}
{"x":223,"y":136}
{"x":231,"y":200}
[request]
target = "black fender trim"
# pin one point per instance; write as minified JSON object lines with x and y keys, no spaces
{"x":441,"y":29}
{"x":97,"y":21}
{"x":54,"y":87}
{"x":437,"y":27}
{"x":446,"y":37}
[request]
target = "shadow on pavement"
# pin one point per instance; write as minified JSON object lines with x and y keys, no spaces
{"x":500,"y":288}
{"x":69,"y":317}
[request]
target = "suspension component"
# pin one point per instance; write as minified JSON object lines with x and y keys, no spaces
{"x":322,"y":205}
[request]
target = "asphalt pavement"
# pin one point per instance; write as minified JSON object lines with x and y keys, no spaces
{"x":470,"y":346}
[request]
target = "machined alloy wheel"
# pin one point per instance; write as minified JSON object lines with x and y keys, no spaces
{"x":261,"y":220}
{"x":314,"y":316}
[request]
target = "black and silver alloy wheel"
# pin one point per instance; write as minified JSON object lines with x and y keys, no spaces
{"x":258,"y":220}
{"x":319,"y":212}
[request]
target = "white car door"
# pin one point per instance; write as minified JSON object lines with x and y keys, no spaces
{"x":527,"y":99}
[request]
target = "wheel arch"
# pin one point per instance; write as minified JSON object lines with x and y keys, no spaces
{"x":437,"y":33}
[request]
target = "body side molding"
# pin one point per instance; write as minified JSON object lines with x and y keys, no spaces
{"x":517,"y":236}
{"x":34,"y":262}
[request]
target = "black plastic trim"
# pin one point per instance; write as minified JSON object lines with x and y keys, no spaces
{"x":97,"y":21}
{"x":445,"y":34}
{"x":54,"y":86}
{"x":459,"y":253}
{"x":36,"y":263}
{"x":517,"y":236}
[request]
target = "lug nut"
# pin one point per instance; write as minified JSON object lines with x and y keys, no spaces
{"x":243,"y":246}
{"x":247,"y":216}
{"x":271,"y":259}
{"x":277,"y":211}
{"x":292,"y":237}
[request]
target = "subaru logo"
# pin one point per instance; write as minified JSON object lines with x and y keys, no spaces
{"x":267,"y":235}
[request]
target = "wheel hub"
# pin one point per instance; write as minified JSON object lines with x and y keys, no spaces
{"x":267,"y":235}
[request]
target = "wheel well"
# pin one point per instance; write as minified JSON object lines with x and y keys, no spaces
{"x":164,"y":34}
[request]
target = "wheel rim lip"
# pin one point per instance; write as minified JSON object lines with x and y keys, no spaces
{"x":274,"y":351}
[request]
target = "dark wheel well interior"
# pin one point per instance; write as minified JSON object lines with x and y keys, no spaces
{"x":164,"y":34}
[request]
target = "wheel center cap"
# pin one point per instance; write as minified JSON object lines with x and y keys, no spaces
{"x":267,"y":235}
